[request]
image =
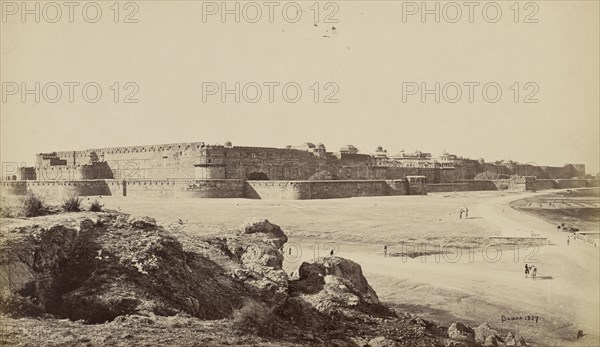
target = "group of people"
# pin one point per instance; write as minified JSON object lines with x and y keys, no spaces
{"x":530,"y":270}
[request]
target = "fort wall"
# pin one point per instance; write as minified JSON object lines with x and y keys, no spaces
{"x":227,"y":188}
{"x":215,"y":188}
{"x":57,"y":189}
{"x":476,"y":185}
{"x":332,"y":189}
{"x":542,"y":184}
{"x":136,"y":188}
{"x":593,"y":183}
{"x":275,"y":190}
{"x":571,"y":183}
{"x":518,"y":184}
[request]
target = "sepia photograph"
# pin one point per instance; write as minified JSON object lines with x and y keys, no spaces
{"x":352,"y":173}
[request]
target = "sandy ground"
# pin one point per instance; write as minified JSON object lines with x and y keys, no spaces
{"x":471,"y":285}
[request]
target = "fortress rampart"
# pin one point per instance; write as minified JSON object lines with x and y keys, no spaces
{"x":219,"y":188}
{"x":273,"y":190}
{"x":195,"y":169}
{"x":197,"y":160}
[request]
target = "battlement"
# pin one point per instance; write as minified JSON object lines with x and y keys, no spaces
{"x":129,"y":149}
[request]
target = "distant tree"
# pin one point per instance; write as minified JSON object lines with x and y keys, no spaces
{"x":323,"y":176}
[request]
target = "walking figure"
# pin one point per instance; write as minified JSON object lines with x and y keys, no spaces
{"x":533,"y":271}
{"x":385,"y":250}
{"x":466,"y":212}
{"x":568,"y":240}
{"x":526,"y":270}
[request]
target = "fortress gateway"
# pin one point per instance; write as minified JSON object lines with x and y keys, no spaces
{"x":196,"y":169}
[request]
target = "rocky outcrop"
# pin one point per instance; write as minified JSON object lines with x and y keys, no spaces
{"x":98,"y":269}
{"x":483,"y":335}
{"x":258,"y":249}
{"x":337,"y":285}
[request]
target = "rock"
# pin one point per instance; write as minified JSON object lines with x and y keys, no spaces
{"x":460,"y":332}
{"x":337,"y":285}
{"x":510,"y":339}
{"x":382,"y":341}
{"x":346,"y":269}
{"x":491,"y":341}
{"x":483,"y":331}
{"x":270,"y":232}
{"x":257,"y":248}
{"x":360,"y":341}
{"x":143,"y":223}
{"x":256,"y":225}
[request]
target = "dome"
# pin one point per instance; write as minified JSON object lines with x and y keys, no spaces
{"x":228,"y":144}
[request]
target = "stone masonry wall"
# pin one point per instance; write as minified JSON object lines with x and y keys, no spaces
{"x":300,"y":190}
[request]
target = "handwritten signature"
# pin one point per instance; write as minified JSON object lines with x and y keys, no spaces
{"x":523,"y":318}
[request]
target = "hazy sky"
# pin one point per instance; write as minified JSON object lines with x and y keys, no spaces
{"x":170,"y":52}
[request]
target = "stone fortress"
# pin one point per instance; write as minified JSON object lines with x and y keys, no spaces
{"x":308,"y":171}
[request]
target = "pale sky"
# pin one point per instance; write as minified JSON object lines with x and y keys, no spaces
{"x":170,"y":53}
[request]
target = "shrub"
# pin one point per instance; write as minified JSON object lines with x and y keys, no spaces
{"x":72,"y":204}
{"x":254,"y":318}
{"x":32,"y":205}
{"x":96,"y":206}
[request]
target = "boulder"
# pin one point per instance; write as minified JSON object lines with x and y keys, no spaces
{"x":344,"y":269}
{"x":490,"y":341}
{"x":267,"y":231}
{"x":337,"y":285}
{"x":484,"y":331}
{"x":460,"y":332}
{"x":257,"y":248}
